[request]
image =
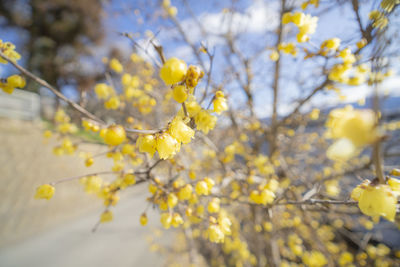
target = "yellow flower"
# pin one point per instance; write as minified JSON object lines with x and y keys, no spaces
{"x":129,"y":179}
{"x":274,"y":55}
{"x":172,"y":11}
{"x":213,"y":205}
{"x":298,"y":18}
{"x":147,"y":143}
{"x":166,"y":145}
{"x":166,"y":220}
{"x":180,"y":93}
{"x":289,"y":48}
{"x":126,"y":79}
{"x":314,"y":259}
{"x":16,"y":81}
{"x":112,"y":103}
{"x":45,"y":191}
{"x":8,"y":49}
{"x":143,"y":219}
{"x":106,"y":216}
{"x":202,"y":188}
{"x":192,"y":107}
{"x":173,"y":71}
{"x":215,"y":234}
{"x":116,"y":66}
{"x":266,"y":197}
{"x":114,"y":135}
{"x":172,"y":200}
{"x":219,"y":102}
{"x":378,"y":201}
{"x":347,"y":56}
{"x":180,"y":131}
{"x":346,"y":258}
{"x":194,"y":74}
{"x":128,"y":149}
{"x":93,"y":184}
{"x":394,"y":184}
{"x":360,"y":44}
{"x":224,"y":223}
{"x":185,"y":192}
{"x":176,"y":220}
{"x":342,"y":149}
{"x":332,"y":44}
{"x":102,"y":90}
{"x":205,"y":121}
{"x":287,"y":18}
{"x":356,"y":125}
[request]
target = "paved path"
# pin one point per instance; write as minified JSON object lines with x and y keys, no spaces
{"x":57,"y":233}
{"x":121,"y":242}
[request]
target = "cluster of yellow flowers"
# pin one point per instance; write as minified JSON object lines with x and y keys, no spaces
{"x":340,"y":72}
{"x":306,"y":23}
{"x":265,"y":193}
{"x":8,"y":49}
{"x":288,"y":48}
{"x":171,"y":11}
{"x":329,"y":45}
{"x":132,"y":92}
{"x":182,"y":79}
{"x":64,"y":126}
{"x":219,"y":228}
{"x":14,"y":81}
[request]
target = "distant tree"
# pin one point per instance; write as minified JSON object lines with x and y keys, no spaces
{"x":57,"y":35}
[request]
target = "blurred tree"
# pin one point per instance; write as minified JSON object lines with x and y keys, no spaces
{"x":58,"y":34}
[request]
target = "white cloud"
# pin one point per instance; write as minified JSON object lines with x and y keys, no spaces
{"x":257,"y":18}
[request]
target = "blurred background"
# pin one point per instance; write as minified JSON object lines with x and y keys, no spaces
{"x":64,"y":42}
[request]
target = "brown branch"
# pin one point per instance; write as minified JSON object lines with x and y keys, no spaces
{"x":275,"y":86}
{"x":304,"y":101}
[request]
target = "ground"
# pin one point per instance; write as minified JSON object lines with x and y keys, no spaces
{"x":58,"y":232}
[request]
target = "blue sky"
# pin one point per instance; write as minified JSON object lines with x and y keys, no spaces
{"x":259,"y":18}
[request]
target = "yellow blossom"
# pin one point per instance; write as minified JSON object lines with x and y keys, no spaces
{"x":205,"y":121}
{"x":173,"y":71}
{"x":219,"y":102}
{"x":180,"y":131}
{"x":185,"y":192}
{"x":102,"y":90}
{"x":114,"y":135}
{"x":116,"y":66}
{"x":215,"y":234}
{"x":378,"y":201}
{"x":202,"y":188}
{"x":45,"y":191}
{"x":166,"y":220}
{"x":143,"y":219}
{"x":166,"y":145}
{"x":147,"y":143}
{"x":106,"y":216}
{"x":180,"y":93}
